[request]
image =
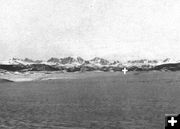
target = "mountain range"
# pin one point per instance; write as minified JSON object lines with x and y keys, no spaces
{"x":73,"y":64}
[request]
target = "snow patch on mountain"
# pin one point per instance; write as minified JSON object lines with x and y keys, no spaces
{"x":76,"y":61}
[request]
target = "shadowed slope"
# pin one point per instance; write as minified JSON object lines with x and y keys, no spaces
{"x":4,"y":80}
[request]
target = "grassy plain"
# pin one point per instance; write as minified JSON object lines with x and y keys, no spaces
{"x":92,"y":100}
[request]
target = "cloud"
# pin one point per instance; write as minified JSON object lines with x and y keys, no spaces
{"x":107,"y":28}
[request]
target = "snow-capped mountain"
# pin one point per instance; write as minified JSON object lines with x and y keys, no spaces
{"x":169,"y":60}
{"x":141,"y":63}
{"x":53,"y":60}
{"x":78,"y":63}
{"x":18,"y":61}
{"x":72,"y":60}
{"x":99,"y":61}
{"x":66,"y":61}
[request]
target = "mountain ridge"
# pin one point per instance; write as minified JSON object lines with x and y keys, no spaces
{"x":72,"y":64}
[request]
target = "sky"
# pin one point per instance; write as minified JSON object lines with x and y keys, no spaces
{"x":113,"y":29}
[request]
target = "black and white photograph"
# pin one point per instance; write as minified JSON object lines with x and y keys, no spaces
{"x":89,"y":64}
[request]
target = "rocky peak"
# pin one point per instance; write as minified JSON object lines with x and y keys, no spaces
{"x":53,"y":60}
{"x":101,"y":61}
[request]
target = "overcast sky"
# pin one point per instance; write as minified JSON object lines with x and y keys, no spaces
{"x":118,"y":29}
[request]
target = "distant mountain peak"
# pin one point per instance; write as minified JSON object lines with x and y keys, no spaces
{"x":98,"y":60}
{"x":28,"y":60}
{"x":167,"y":59}
{"x":73,"y":61}
{"x":54,"y":60}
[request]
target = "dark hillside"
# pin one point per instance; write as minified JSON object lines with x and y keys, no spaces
{"x":166,"y":67}
{"x":12,"y":67}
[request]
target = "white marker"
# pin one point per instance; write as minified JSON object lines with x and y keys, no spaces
{"x":124,"y":70}
{"x":172,"y":121}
